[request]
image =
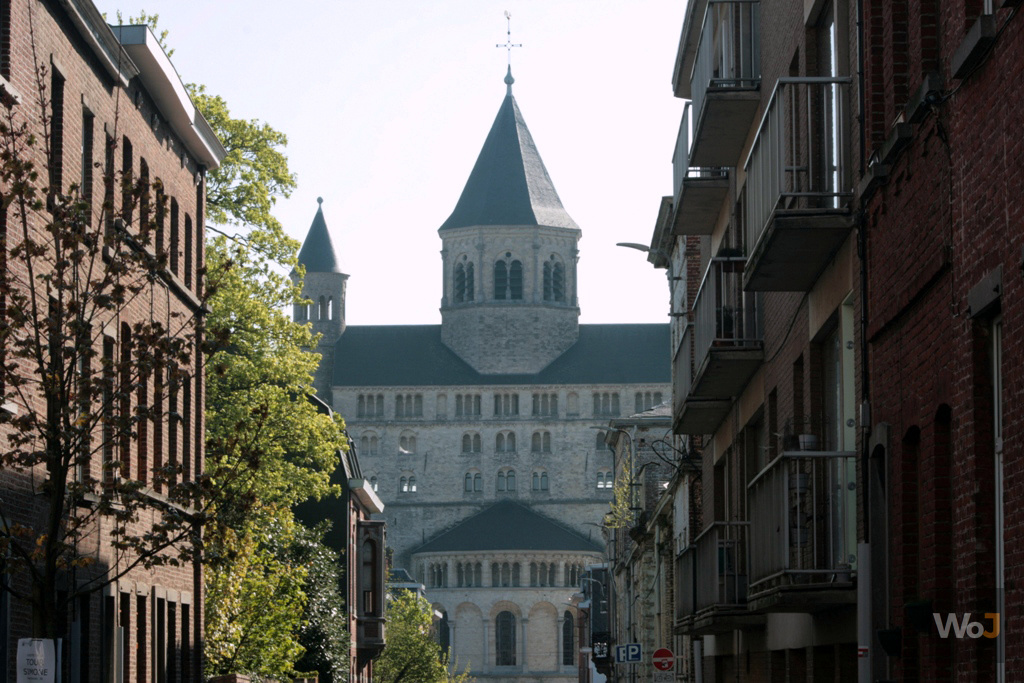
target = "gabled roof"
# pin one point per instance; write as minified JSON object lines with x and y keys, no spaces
{"x":509,"y":184}
{"x":414,"y":355}
{"x":317,"y":252}
{"x":507,"y":525}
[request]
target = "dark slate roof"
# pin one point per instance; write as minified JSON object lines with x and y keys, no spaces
{"x":317,"y":252}
{"x":507,"y":525}
{"x":414,"y":355}
{"x":509,"y":184}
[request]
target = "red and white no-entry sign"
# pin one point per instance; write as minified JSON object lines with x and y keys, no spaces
{"x":664,"y":659}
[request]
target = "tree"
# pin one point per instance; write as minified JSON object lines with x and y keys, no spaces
{"x":411,"y":654}
{"x":323,"y":632}
{"x":82,"y":406}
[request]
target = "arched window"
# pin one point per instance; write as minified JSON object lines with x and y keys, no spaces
{"x":500,"y":280}
{"x":547,"y":281}
{"x":502,"y":483}
{"x":407,"y":444}
{"x":510,"y":476}
{"x":600,"y":444}
{"x":443,"y":634}
{"x":508,"y":278}
{"x":478,"y":483}
{"x":330,"y":308}
{"x":558,"y":282}
{"x":322,"y":312}
{"x":543,"y":481}
{"x":460,"y":577}
{"x":478,"y":574}
{"x":460,"y":283}
{"x":495,"y":574}
{"x":412,"y":484}
{"x":468,"y":486}
{"x":506,"y":575}
{"x":568,"y":639}
{"x":533,"y":573}
{"x":361,"y":406}
{"x":505,"y":442}
{"x":505,"y":639}
{"x":499,"y":443}
{"x":515,"y":574}
{"x":373,"y":482}
{"x":470,"y":284}
{"x":470,"y":443}
{"x":403,"y":485}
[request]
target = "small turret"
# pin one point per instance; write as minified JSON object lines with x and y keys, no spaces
{"x":324,"y":286}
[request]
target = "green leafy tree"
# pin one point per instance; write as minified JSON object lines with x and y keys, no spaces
{"x":411,"y":654}
{"x":323,"y":632}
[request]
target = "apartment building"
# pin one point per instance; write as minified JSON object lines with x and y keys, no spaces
{"x":104,"y":118}
{"x":765,"y":352}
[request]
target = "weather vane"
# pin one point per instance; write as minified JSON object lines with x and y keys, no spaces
{"x":508,"y":45}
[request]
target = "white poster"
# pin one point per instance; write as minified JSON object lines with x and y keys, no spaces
{"x":37,"y":661}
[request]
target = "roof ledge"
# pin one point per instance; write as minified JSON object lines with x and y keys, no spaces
{"x":366,"y":495}
{"x":165,"y":86}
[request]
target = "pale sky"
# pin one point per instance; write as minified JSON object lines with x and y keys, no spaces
{"x":386,"y":105}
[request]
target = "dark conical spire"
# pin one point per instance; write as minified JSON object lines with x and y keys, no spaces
{"x":509,"y":184}
{"x":317,"y":252}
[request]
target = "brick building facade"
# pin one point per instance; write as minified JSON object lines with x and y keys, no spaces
{"x":944,"y":236}
{"x":111,"y":108}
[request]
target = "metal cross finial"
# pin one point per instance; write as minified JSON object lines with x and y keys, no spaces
{"x":508,"y":45}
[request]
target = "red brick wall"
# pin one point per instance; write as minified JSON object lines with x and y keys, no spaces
{"x":123,"y":113}
{"x":949,"y":214}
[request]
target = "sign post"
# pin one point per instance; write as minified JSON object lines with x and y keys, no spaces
{"x":628,"y":653}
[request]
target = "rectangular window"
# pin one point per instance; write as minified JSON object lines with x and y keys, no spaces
{"x":84,"y":628}
{"x":141,"y":641}
{"x":161,"y":641}
{"x":186,"y":643}
{"x":5,"y":42}
{"x":88,"y":123}
{"x":200,"y":234}
{"x":188,"y":250}
{"x":186,"y":429}
{"x":108,"y":638}
{"x":108,"y":188}
{"x":125,"y":632}
{"x":108,"y":434}
{"x":197,"y":416}
{"x":174,"y":236}
{"x":5,"y":616}
{"x":172,"y":641}
{"x":56,"y":131}
{"x":142,"y":429}
{"x":127,"y":168}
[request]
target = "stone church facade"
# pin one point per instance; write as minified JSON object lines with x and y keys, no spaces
{"x":484,"y":436}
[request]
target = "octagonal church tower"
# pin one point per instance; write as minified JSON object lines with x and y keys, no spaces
{"x":509,"y":304}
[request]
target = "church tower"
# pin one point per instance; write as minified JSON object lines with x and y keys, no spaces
{"x":509,"y":252}
{"x":324,"y":286}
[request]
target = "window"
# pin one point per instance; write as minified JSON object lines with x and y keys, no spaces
{"x":600,"y":443}
{"x":645,"y":400}
{"x":505,"y":639}
{"x":188,"y":250}
{"x":470,"y":443}
{"x":606,"y":404}
{"x":464,"y":284}
{"x":369,"y":444}
{"x":56,"y":131}
{"x":330,"y":308}
{"x":408,"y":406}
{"x":554,"y":279}
{"x":604,"y":479}
{"x":407,"y":484}
{"x":573,"y":572}
{"x":108,"y":189}
{"x":540,"y":481}
{"x":407,"y":444}
{"x":88,"y":123}
{"x":506,"y":480}
{"x":508,"y":278}
{"x":568,"y":639}
{"x":506,"y":405}
{"x":370,"y":405}
{"x":175,"y":246}
{"x":126,"y":180}
{"x":467,"y":405}
{"x":572,"y":404}
{"x":373,"y":482}
{"x":545,"y":405}
{"x":437,"y":575}
{"x":505,"y":442}
{"x":541,"y":442}
{"x":473,"y":482}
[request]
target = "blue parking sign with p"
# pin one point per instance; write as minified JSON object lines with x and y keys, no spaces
{"x":630,"y":652}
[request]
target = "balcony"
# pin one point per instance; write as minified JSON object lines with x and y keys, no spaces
{"x":722,"y":560}
{"x":799,"y":185}
{"x":726,"y":80}
{"x":803,"y":515}
{"x":727,"y":342}
{"x":699,"y":192}
{"x":686,"y":590}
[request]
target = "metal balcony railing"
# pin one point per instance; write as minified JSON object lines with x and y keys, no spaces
{"x":682,"y":368}
{"x":681,"y":169}
{"x":802,"y":509}
{"x":799,"y":161}
{"x":724,"y":315}
{"x":722,"y":565}
{"x":686,"y":578}
{"x":728,"y":56}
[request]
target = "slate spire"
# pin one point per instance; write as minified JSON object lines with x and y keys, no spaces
{"x":509,"y":184}
{"x":317,"y":253}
